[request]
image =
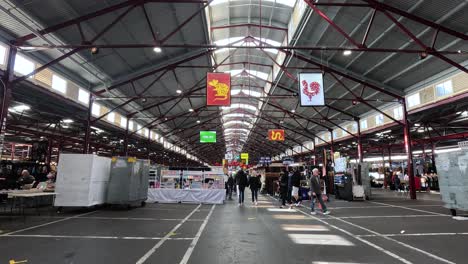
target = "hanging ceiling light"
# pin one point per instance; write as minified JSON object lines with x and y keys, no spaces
{"x":157,"y":50}
{"x":347,"y":52}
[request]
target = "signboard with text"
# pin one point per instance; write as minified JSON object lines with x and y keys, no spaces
{"x":207,"y":136}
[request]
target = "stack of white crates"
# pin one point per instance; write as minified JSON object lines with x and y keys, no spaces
{"x":82,"y":180}
{"x":452,"y":169}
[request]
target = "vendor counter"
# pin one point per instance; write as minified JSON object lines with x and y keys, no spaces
{"x":204,"y":196}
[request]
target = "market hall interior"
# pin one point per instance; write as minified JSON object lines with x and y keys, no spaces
{"x":233,"y":131}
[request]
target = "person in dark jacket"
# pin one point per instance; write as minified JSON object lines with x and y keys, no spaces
{"x":316,"y":192}
{"x":295,"y":183}
{"x":241,"y":182}
{"x":283,"y":182}
{"x":254,"y":183}
{"x":230,"y":186}
{"x":25,"y":179}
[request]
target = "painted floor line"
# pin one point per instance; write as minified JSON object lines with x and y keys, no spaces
{"x":46,"y":224}
{"x":194,"y":243}
{"x":389,"y":253}
{"x":396,"y":241}
{"x":417,"y":234}
{"x":408,"y":208}
{"x":99,"y":237}
{"x":389,"y":216}
{"x":378,"y":206}
{"x":319,"y":239}
{"x":166,"y":237}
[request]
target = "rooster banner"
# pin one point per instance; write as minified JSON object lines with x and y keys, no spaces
{"x":218,"y":89}
{"x":311,"y":89}
{"x":276,"y":134}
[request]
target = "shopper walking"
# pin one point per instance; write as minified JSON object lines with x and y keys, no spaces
{"x":283,"y":183}
{"x":254,"y":183}
{"x":295,"y":183}
{"x":290,"y":174}
{"x":316,"y":190}
{"x":241,"y":182}
{"x":230,"y":185}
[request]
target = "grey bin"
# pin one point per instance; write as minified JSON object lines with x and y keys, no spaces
{"x":128,"y":182}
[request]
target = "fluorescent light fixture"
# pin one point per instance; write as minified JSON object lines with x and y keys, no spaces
{"x":67,"y":121}
{"x":198,"y":121}
{"x":236,"y":122}
{"x":179,"y":91}
{"x":190,"y":110}
{"x":21,"y":107}
{"x":347,"y":52}
{"x":243,"y":106}
{"x":293,"y":111}
{"x":157,"y":50}
{"x":417,"y":124}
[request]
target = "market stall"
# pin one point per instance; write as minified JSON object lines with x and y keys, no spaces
{"x":187,"y":186}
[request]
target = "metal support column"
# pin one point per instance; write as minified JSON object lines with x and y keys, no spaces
{"x":315,"y":154}
{"x":359,"y":146}
{"x":49,"y":151}
{"x":6,"y":94}
{"x":409,"y":151}
{"x":332,"y":149}
{"x":433,"y":157}
{"x":86,"y":146}
{"x":390,"y":157}
{"x":60,"y":148}
{"x":13,"y":150}
{"x":383,"y":169}
{"x":125,"y":148}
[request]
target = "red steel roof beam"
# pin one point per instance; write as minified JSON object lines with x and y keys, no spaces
{"x":333,"y":24}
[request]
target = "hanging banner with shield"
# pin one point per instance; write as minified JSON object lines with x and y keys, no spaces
{"x":218,"y":89}
{"x":311,"y":89}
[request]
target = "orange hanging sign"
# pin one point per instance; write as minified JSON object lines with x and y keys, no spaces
{"x":218,"y":89}
{"x":276,"y":134}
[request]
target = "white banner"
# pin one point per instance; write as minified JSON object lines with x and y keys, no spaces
{"x":228,"y":156}
{"x":311,"y":89}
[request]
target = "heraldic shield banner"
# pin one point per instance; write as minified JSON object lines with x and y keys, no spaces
{"x":218,"y":89}
{"x":311,"y":89}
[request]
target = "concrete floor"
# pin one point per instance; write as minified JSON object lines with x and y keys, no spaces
{"x":390,"y":229}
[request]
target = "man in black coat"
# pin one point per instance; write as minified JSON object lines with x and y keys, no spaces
{"x":230,"y":186}
{"x":316,"y":191}
{"x":255,"y":184}
{"x":296,"y":183}
{"x":241,"y":182}
{"x":283,"y":182}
